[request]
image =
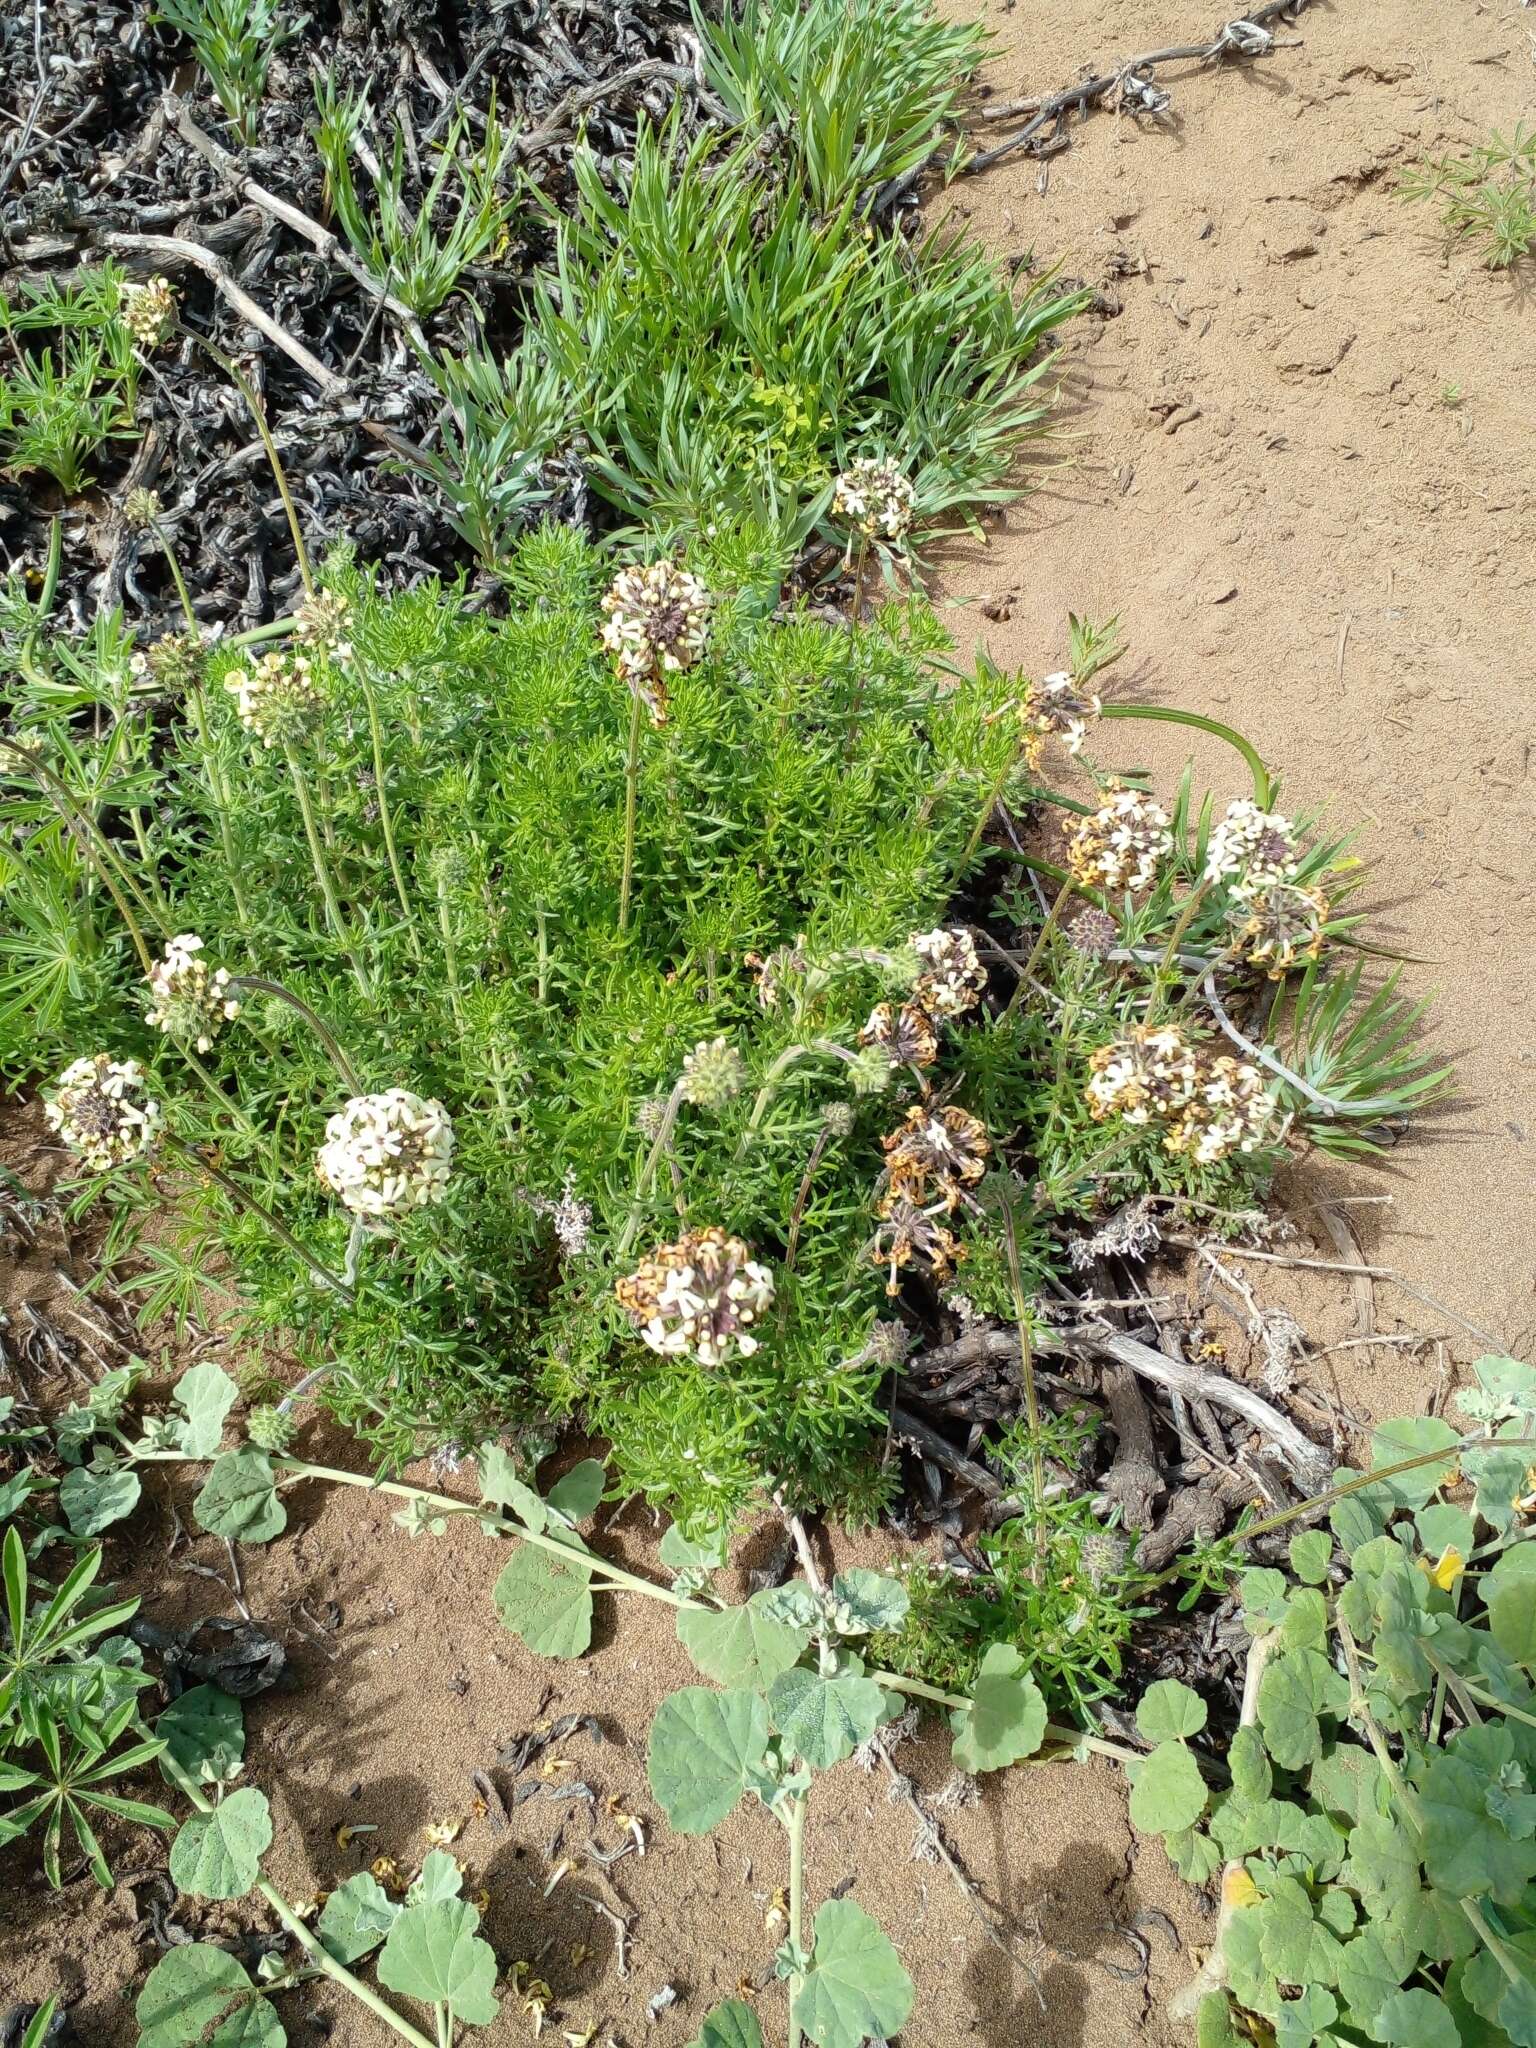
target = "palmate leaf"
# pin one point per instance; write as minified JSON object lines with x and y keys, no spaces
{"x":204,"y":1732}
{"x":1006,"y":1719}
{"x":205,"y":1394}
{"x":434,"y":1953}
{"x":856,"y":1988}
{"x":1167,"y":1790}
{"x":239,"y":1499}
{"x":824,"y":1720}
{"x":702,"y":1746}
{"x":356,"y":1917}
{"x":93,"y":1501}
{"x":742,"y":1645}
{"x":546,"y":1600}
{"x":732,"y":2025}
{"x":197,"y":1988}
{"x":218,"y":1855}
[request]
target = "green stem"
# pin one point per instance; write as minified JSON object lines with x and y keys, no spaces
{"x":249,"y":1202}
{"x":795,"y":1828}
{"x":542,"y":918}
{"x":263,"y":985}
{"x":1051,"y":871}
{"x":318,"y":1956}
{"x":322,"y":870}
{"x":221,"y":804}
{"x":1100,"y":1745}
{"x":141,"y":840}
{"x":631,"y":798}
{"x":183,"y":595}
{"x":1052,"y":920}
{"x":385,"y":821}
{"x":1263,"y":788}
{"x":280,"y":475}
{"x":275,"y":629}
{"x":1031,"y":1394}
{"x":217,"y":1094}
{"x":450,"y":953}
{"x":648,"y":1171}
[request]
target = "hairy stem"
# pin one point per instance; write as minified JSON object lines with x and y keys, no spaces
{"x":258,"y":413}
{"x":386,"y":823}
{"x":262,"y":984}
{"x":92,"y":843}
{"x":795,"y":1827}
{"x":631,"y":798}
{"x":221,"y":803}
{"x":322,"y":870}
{"x":248,"y":1201}
{"x":648,"y":1171}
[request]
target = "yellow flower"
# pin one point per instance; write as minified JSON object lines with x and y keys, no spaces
{"x":1450,"y":1568}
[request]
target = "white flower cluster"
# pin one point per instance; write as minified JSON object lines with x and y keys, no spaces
{"x":1058,"y":707}
{"x":1119,"y":847}
{"x":1251,"y":847}
{"x":103,"y":1110}
{"x":387,"y":1154}
{"x":712,"y":1073}
{"x":657,"y":625}
{"x":1210,"y":1108}
{"x":953,"y":977}
{"x":191,"y":1001}
{"x":276,"y":697}
{"x":1279,"y":923}
{"x":322,"y":622}
{"x":698,"y":1297}
{"x":875,"y":498}
{"x":148,"y":311}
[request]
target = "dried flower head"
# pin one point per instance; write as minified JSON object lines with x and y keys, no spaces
{"x":141,"y":508}
{"x":657,"y":625}
{"x":276,"y":697}
{"x":698,"y":1297}
{"x":1093,"y":933}
{"x":1119,"y":847}
{"x":1058,"y":707}
{"x":1230,"y":1112}
{"x":937,"y":1154}
{"x":571,"y":1216}
{"x":174,"y":661}
{"x":1251,"y":846}
{"x":321,"y":624}
{"x":712,"y":1073}
{"x":907,"y":1035}
{"x":651,"y":1116}
{"x":875,"y":498}
{"x":1150,"y":1073}
{"x":1103,"y":1553}
{"x":783,"y":964}
{"x":191,"y":1000}
{"x":1279,"y":923}
{"x":387,"y":1154}
{"x":148,"y":311}
{"x":269,"y":1429}
{"x":910,"y":1235}
{"x":837,"y":1119}
{"x":104,"y":1112}
{"x":952,"y":977}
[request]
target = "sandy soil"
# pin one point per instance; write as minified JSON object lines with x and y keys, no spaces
{"x":1304,"y":538}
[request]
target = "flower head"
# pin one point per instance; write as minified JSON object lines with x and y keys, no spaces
{"x":1279,"y":923}
{"x":276,"y":697}
{"x":1119,"y":847}
{"x":321,"y":624}
{"x":910,"y":1235}
{"x":141,"y":508}
{"x":148,"y":311}
{"x":875,"y":498}
{"x":906,"y":1035}
{"x":1230,"y":1112}
{"x":1251,"y":847}
{"x":1093,"y":933}
{"x":387,"y":1154}
{"x":657,"y":625}
{"x":712,"y":1073}
{"x":937,"y":1154}
{"x":1150,"y":1073}
{"x":191,"y":1000}
{"x":698,"y":1297}
{"x":1058,"y":707}
{"x":952,"y":977}
{"x":103,"y":1110}
{"x":173,"y":661}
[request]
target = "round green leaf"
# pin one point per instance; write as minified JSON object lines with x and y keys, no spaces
{"x":546,"y":1600}
{"x":576,"y":1495}
{"x":206,"y":1394}
{"x":433,"y":1953}
{"x":356,"y":1917}
{"x":825,"y":1719}
{"x":1006,"y":1718}
{"x":741,"y":1645}
{"x":204,"y":1732}
{"x":93,"y":1501}
{"x":1170,"y":1710}
{"x":1310,"y":1554}
{"x":239,"y":1499}
{"x":1167,"y":1790}
{"x":732,"y":2025}
{"x":439,"y":1878}
{"x":218,"y":1855}
{"x":864,"y":1601}
{"x":1415,"y":2019}
{"x":1511,"y":1616}
{"x":1410,"y":1436}
{"x":198,"y":1987}
{"x":702,"y":1745}
{"x":856,"y":1988}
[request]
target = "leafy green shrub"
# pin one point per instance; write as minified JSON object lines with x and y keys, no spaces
{"x":1487,"y":197}
{"x":862,"y":90}
{"x":722,"y":344}
{"x":1377,"y":1842}
{"x":64,"y":400}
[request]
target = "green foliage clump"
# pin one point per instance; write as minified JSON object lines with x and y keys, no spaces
{"x":63,"y":400}
{"x":719,"y":342}
{"x":235,"y":42}
{"x":1377,"y":1841}
{"x":1486,"y":197}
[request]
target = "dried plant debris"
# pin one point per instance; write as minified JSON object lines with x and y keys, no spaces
{"x":125,"y":152}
